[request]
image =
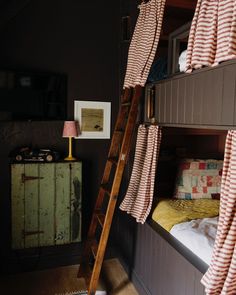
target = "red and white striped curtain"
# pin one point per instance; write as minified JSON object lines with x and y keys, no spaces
{"x":139,"y":195}
{"x":221,"y":275}
{"x":144,"y":42}
{"x":212,"y":37}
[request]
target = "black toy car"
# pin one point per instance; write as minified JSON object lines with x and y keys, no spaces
{"x":25,"y":154}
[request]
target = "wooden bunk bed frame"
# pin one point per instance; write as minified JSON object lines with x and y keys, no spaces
{"x":203,"y":99}
{"x":157,"y":262}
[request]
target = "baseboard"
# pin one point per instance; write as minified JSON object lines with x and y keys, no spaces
{"x":40,"y":259}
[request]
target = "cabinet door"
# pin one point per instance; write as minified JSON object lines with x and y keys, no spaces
{"x":47,"y":191}
{"x":75,"y":202}
{"x":46,"y":204}
{"x":17,"y":206}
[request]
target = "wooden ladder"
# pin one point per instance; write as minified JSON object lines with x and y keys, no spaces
{"x":102,"y":217}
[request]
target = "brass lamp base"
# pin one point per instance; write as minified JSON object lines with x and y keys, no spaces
{"x":70,"y":158}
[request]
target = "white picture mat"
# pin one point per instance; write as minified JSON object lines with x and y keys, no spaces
{"x":106,"y":106}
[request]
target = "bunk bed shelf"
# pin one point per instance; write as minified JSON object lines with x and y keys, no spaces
{"x":205,"y":98}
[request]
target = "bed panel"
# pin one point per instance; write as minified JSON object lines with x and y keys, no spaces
{"x":160,"y":269}
{"x":206,"y":97}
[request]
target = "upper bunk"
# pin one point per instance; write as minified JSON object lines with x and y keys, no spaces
{"x":205,"y":98}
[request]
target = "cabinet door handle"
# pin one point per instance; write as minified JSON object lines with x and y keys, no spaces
{"x":24,"y":178}
{"x":151,"y":104}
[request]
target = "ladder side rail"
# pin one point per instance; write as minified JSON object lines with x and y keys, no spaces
{"x":138,"y":90}
{"x":115,"y":190}
{"x":105,"y":177}
{"x":108,"y":166}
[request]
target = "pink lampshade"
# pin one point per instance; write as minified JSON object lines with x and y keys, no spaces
{"x":70,"y":129}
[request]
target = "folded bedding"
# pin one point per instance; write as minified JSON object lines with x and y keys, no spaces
{"x":198,"y":236}
{"x":169,"y":212}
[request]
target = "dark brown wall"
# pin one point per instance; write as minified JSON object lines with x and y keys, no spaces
{"x":80,"y":39}
{"x":76,"y":38}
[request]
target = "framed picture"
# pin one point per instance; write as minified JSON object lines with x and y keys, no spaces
{"x":94,"y":118}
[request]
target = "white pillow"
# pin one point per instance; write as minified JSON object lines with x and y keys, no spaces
{"x":182,"y":61}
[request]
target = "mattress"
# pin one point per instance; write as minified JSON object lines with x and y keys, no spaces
{"x":198,"y":236}
{"x":192,"y":222}
{"x":169,"y":212}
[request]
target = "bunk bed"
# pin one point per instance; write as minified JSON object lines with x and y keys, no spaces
{"x":187,"y":106}
{"x":162,"y":264}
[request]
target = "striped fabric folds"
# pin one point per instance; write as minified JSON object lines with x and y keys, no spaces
{"x":212,"y":37}
{"x":144,"y":42}
{"x":139,"y":195}
{"x":220,"y":278}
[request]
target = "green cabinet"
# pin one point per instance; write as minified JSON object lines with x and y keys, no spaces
{"x":46,"y":200}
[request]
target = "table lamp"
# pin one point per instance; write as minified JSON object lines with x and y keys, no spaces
{"x":70,"y":130}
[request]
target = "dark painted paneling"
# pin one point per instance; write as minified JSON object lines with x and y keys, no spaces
{"x":212,"y":97}
{"x":189,"y":93}
{"x":204,"y":97}
{"x":228,"y":95}
{"x":161,"y":268}
{"x":168,"y":102}
{"x":175,"y":101}
{"x":198,"y":98}
{"x":156,"y":262}
{"x":182,"y":102}
{"x":160,"y":105}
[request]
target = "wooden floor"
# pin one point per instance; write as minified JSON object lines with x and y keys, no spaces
{"x":63,"y":280}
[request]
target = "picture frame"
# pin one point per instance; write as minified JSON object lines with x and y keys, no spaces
{"x":177,"y":41}
{"x":94,"y":118}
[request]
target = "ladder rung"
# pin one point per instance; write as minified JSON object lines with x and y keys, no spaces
{"x":125,"y":104}
{"x":101,"y":218}
{"x":94,"y":248}
{"x":127,"y":96}
{"x":113,"y":160}
{"x":105,"y":188}
{"x":119,"y":132}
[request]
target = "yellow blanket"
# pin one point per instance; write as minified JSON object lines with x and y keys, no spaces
{"x":172,"y":211}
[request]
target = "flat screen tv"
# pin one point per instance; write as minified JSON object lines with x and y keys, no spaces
{"x":30,"y":95}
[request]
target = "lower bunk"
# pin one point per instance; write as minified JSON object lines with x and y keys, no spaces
{"x":159,"y":257}
{"x":164,"y":266}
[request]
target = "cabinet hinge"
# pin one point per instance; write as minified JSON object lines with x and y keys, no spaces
{"x":24,"y":178}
